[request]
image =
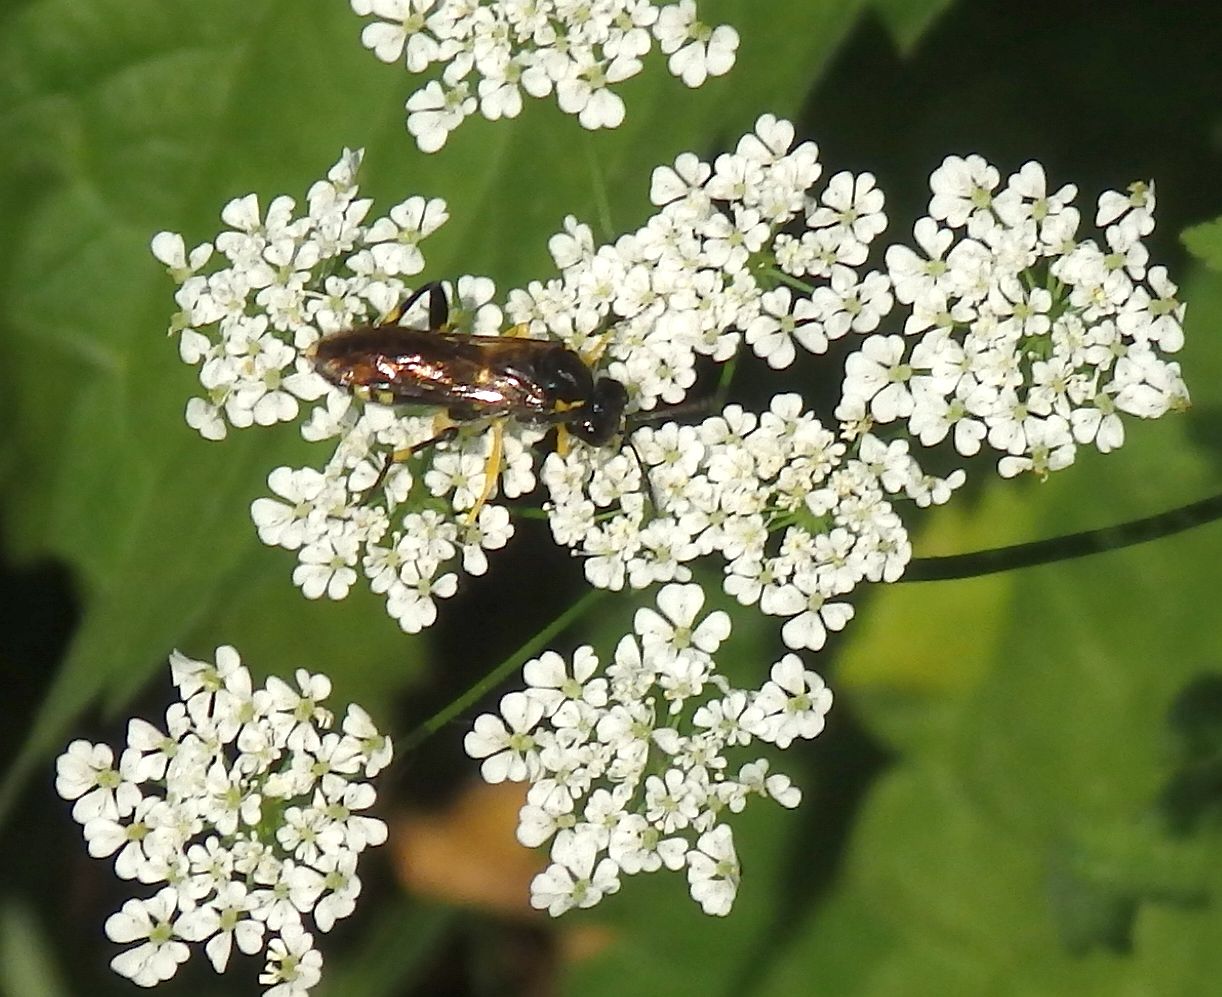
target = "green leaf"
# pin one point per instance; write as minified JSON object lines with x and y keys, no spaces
{"x":1204,"y":241}
{"x":908,"y":20}
{"x":28,"y":958}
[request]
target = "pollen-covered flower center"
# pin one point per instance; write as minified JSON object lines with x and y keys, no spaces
{"x":521,"y":742}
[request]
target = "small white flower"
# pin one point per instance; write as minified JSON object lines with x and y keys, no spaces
{"x":296,"y":713}
{"x":793,"y":704}
{"x":637,"y":846}
{"x":672,"y":801}
{"x":878,"y":375}
{"x":850,"y":206}
{"x":223,"y":922}
{"x":285,"y":890}
{"x":673,"y":632}
{"x":327,"y":567}
{"x":293,"y":964}
{"x":86,"y":773}
{"x":341,"y":803}
{"x":584,"y":90}
{"x":434,"y":112}
{"x":713,"y":871}
{"x":411,"y":599}
{"x":754,"y":778}
{"x":548,"y":680}
{"x":170,"y":249}
{"x":962,"y":190}
{"x":573,"y":879}
{"x":696,"y":50}
{"x":372,"y":748}
{"x":509,"y":750}
{"x":342,"y":885}
{"x":151,"y":922}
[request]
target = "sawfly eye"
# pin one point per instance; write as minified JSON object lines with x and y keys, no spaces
{"x":603,"y":415}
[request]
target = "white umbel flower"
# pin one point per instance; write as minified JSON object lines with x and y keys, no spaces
{"x":615,"y":789}
{"x":490,"y":54}
{"x":252,"y":815}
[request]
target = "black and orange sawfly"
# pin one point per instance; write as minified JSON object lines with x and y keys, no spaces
{"x":471,"y":378}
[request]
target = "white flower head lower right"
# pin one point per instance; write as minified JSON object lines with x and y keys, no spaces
{"x":639,"y":763}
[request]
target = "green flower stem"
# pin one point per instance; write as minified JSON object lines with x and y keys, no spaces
{"x":728,"y":370}
{"x":598,"y":183}
{"x":502,"y":671}
{"x":781,"y":277}
{"x":1026,"y":555}
{"x":921,"y":569}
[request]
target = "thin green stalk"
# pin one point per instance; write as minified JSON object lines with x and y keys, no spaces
{"x":1026,"y":555}
{"x":501,"y":672}
{"x":724,"y":378}
{"x":782,"y":277}
{"x":602,"y":206}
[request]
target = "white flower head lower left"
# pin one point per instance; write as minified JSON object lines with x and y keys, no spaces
{"x":246,"y":809}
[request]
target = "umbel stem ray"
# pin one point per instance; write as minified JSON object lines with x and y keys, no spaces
{"x":1065,"y":548}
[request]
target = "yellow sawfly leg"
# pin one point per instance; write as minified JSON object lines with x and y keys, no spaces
{"x":591,"y":357}
{"x":393,"y":316}
{"x":443,"y":426}
{"x":492,"y":469}
{"x":563,"y":436}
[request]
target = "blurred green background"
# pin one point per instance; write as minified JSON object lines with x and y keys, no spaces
{"x":1019,"y":788}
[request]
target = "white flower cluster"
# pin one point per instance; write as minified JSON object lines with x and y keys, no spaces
{"x":704,"y":269}
{"x":799,"y":522}
{"x":287,"y":282}
{"x":1020,"y":334}
{"x":647,"y":308}
{"x":635,"y":766}
{"x":1016,"y":334}
{"x":696,"y":278}
{"x":277,"y":293}
{"x":250,"y":814}
{"x":494,"y":51}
